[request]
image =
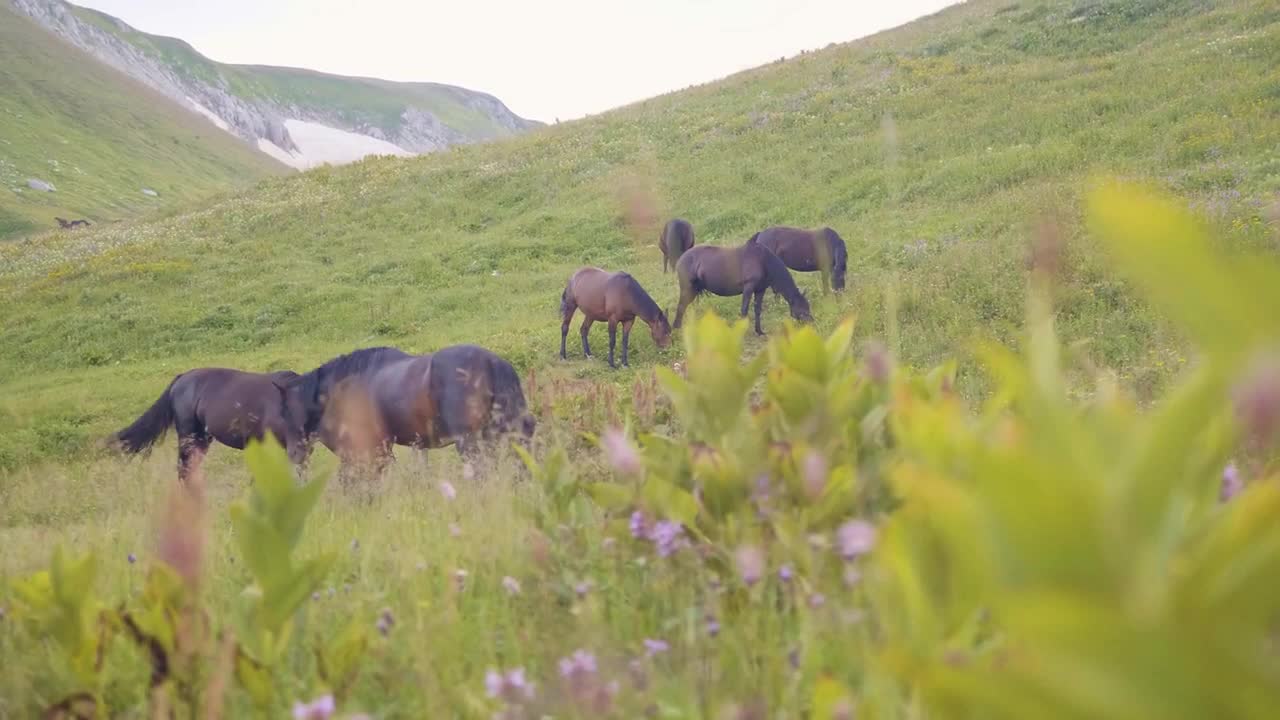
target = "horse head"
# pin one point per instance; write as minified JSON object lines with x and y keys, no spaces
{"x":800,"y":308}
{"x":660,"y":329}
{"x":294,"y":413}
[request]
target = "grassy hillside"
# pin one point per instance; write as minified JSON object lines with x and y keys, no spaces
{"x":356,"y":101}
{"x":933,"y":149}
{"x":99,"y":138}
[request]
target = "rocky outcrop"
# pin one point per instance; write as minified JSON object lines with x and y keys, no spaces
{"x":206,"y":90}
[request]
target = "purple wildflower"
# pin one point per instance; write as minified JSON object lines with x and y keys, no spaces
{"x":622,"y":455}
{"x":785,"y":573}
{"x":582,"y":588}
{"x":639,"y":525}
{"x":511,"y":585}
{"x":447,"y":489}
{"x":321,"y":708}
{"x":817,"y":600}
{"x":750,"y":561}
{"x":132,"y":558}
{"x":1231,"y":482}
{"x":666,"y":536}
{"x":579,"y":664}
{"x":511,"y":687}
{"x":655,"y":647}
{"x":854,"y":538}
{"x":385,"y":621}
{"x":713,"y":626}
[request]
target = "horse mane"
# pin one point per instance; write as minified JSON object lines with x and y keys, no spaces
{"x":353,"y":363}
{"x":644,"y":303}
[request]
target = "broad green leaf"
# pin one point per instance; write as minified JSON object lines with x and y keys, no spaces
{"x":611,"y":496}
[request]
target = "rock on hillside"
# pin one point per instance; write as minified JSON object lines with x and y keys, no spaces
{"x":300,"y":117}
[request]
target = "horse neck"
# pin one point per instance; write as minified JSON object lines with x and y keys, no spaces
{"x":646,"y":309}
{"x":779,"y":279}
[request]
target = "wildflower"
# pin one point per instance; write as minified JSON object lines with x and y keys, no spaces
{"x":511,"y":687}
{"x":1257,"y":401}
{"x":655,"y":647}
{"x":793,"y":658}
{"x":1231,"y":482}
{"x":785,"y":573}
{"x":447,"y":489}
{"x":817,"y":600}
{"x":854,"y":538}
{"x":578,"y":664}
{"x":454,"y":530}
{"x":622,"y":455}
{"x":385,"y":621}
{"x":355,"y":545}
{"x":667,"y":536}
{"x":815,"y":474}
{"x":639,"y":525}
{"x":132,"y":558}
{"x":750,"y":561}
{"x":511,"y":585}
{"x":582,"y":588}
{"x":713,"y":626}
{"x":321,"y":708}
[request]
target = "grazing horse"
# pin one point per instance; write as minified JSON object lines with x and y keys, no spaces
{"x":230,"y":406}
{"x":746,"y":270}
{"x":805,"y":250}
{"x":677,"y":237}
{"x":363,"y":403}
{"x":70,"y":224}
{"x":615,"y":298}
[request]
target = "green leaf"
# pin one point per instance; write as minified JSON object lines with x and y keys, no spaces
{"x":611,"y":496}
{"x":832,"y":700}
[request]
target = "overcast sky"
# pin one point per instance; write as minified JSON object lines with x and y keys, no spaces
{"x":545,"y":59}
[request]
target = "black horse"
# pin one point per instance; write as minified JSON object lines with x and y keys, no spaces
{"x":808,"y":250}
{"x":230,"y":406}
{"x":746,"y":270}
{"x":363,"y":403}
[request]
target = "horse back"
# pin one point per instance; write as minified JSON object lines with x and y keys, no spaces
{"x":677,"y":235}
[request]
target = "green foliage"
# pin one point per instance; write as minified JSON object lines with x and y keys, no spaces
{"x":268,"y":528}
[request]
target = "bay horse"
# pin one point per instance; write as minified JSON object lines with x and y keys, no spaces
{"x":808,"y":250}
{"x":363,"y":403}
{"x":616,"y":298}
{"x":677,"y":236}
{"x":746,"y":270}
{"x":213,"y":403}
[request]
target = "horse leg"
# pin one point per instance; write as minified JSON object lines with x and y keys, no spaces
{"x":759,"y":304}
{"x":567,"y":313}
{"x":585,"y":330}
{"x":191,"y":452}
{"x":746,"y":301}
{"x":626,"y":339}
{"x":687,"y":294}
{"x":613,"y":338}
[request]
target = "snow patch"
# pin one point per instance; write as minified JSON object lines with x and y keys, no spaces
{"x":213,"y":117}
{"x":319,"y":144}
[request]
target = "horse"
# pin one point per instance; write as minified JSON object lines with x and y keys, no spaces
{"x":363,"y":403}
{"x":746,"y":270}
{"x":677,"y":236}
{"x":615,"y":298}
{"x":70,"y":224}
{"x":214,"y":403}
{"x":808,"y":250}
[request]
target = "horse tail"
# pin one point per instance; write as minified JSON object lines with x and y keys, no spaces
{"x":564,"y":301}
{"x":151,"y":426}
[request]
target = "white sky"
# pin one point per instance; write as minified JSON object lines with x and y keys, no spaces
{"x":545,"y":59}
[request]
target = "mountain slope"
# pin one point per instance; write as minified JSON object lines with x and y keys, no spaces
{"x":301,"y":117}
{"x":932,"y":149}
{"x":99,"y":138}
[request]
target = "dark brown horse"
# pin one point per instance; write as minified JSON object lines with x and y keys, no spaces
{"x":230,"y":406}
{"x":65,"y":224}
{"x":808,"y":250}
{"x":363,"y":403}
{"x":746,"y":270}
{"x":615,"y":298}
{"x":677,"y":237}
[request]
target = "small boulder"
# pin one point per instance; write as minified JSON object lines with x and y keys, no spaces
{"x":150,"y":193}
{"x":40,"y":185}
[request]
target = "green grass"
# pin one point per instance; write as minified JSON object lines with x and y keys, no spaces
{"x":100,"y":138}
{"x":932,"y":149}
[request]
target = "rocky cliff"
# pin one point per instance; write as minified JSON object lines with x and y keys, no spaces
{"x":301,"y":117}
